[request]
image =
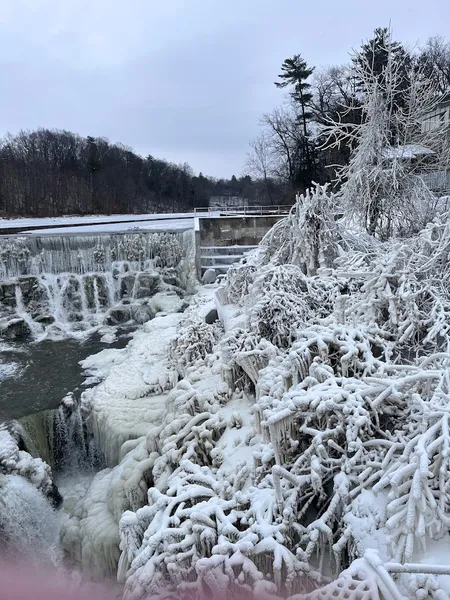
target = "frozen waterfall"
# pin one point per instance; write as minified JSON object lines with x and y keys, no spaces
{"x":60,"y":437}
{"x":74,"y":283}
{"x":29,"y":526}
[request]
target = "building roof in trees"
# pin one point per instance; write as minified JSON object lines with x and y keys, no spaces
{"x":408,"y":151}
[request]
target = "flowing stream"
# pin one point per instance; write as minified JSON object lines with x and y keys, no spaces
{"x":35,"y":376}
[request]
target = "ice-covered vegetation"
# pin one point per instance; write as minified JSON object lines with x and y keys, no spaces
{"x":299,"y":443}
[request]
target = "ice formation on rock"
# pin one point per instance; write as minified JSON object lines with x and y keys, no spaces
{"x":15,"y":461}
{"x":209,"y":276}
{"x":122,"y":412}
{"x":132,"y":395}
{"x":29,"y":524}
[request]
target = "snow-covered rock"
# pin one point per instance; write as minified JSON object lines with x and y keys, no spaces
{"x":209,"y":276}
{"x":14,"y":461}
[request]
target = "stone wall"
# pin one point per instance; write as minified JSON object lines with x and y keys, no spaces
{"x":235,"y":231}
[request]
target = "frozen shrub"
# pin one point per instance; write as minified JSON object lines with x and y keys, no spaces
{"x":282,"y":300}
{"x":239,"y":279}
{"x":194,"y":341}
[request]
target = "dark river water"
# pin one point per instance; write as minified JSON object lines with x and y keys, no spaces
{"x":36,"y":376}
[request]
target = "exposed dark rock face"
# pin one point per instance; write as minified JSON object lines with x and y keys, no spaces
{"x":55,"y":497}
{"x":8,"y":294}
{"x":14,"y":329}
{"x":118,"y":315}
{"x":127,"y":286}
{"x":96,"y":290}
{"x":147,"y":285}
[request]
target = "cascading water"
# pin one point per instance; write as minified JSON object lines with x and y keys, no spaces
{"x":30,"y":513}
{"x":29,"y":526}
{"x":75,"y":283}
{"x":60,"y":437}
{"x":29,"y":520}
{"x":34,"y":255}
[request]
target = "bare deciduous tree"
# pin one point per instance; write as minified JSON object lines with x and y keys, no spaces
{"x":283,"y":137}
{"x":434,"y":60}
{"x":259,"y":163}
{"x":335,"y":95}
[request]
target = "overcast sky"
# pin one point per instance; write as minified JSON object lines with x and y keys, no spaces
{"x":185,"y":80}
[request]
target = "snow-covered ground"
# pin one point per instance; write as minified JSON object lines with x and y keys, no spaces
{"x":116,"y":227}
{"x":87,"y":220}
{"x":103,"y":223}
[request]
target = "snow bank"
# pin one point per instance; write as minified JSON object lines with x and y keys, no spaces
{"x":117,"y":227}
{"x":92,"y":220}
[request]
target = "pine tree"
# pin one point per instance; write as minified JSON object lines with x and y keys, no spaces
{"x":295,"y":74}
{"x":376,"y":55}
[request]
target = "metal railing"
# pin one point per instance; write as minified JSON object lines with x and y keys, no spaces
{"x":276,"y":209}
{"x":437,"y":181}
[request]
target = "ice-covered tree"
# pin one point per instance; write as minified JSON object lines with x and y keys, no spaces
{"x":384,"y":185}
